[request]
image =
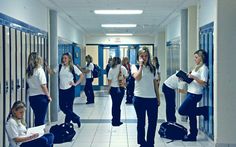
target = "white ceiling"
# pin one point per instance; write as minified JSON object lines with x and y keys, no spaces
{"x":156,"y":13}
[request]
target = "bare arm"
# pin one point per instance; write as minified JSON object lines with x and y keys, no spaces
{"x":28,"y":138}
{"x":45,"y":90}
{"x":109,"y":85}
{"x":156,"y":88}
{"x":81,"y":78}
{"x":199,"y":81}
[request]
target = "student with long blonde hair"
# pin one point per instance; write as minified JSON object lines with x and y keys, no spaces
{"x":146,"y":98}
{"x":67,"y":82}
{"x":195,"y":90}
{"x":17,"y":132}
{"x":38,"y":92}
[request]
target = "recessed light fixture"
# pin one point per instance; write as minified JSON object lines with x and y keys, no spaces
{"x":119,"y":34}
{"x":118,"y":25}
{"x":118,"y":12}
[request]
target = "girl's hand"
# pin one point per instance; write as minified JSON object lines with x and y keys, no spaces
{"x":33,"y":136}
{"x":72,"y":84}
{"x":49,"y":98}
{"x":140,"y":61}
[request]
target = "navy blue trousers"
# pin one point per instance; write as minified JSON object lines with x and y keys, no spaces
{"x":189,"y":108}
{"x":170,"y":103}
{"x":88,"y":89}
{"x":66,"y":101}
{"x":39,"y":104}
{"x":117,"y":95}
{"x":45,"y":141}
{"x":143,"y":105}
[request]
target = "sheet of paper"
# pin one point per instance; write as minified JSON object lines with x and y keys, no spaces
{"x":38,"y":129}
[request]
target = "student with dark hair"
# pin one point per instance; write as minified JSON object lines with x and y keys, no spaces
{"x":38,"y":92}
{"x":146,"y":99}
{"x":116,"y":87}
{"x":108,"y":66}
{"x":17,"y":132}
{"x":195,"y":90}
{"x":67,"y":82}
{"x":88,"y":89}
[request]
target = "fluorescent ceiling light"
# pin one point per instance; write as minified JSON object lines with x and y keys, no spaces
{"x":120,"y":34}
{"x":117,"y":12}
{"x":119,"y":25}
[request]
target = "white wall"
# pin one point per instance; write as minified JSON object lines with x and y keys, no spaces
{"x":225,"y":69}
{"x":119,"y":40}
{"x":31,"y":12}
{"x":173,"y":30}
{"x":69,"y":32}
{"x":207,"y":11}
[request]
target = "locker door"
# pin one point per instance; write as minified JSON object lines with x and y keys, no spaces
{"x":6,"y":78}
{"x":32,"y":47}
{"x":13,"y":65}
{"x":1,"y":87}
{"x":23,"y":69}
{"x":36,"y":44}
{"x":18,"y":65}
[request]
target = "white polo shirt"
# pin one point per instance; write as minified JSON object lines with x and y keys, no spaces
{"x":90,"y":68}
{"x":144,"y":87}
{"x":15,"y":129}
{"x":202,"y":74}
{"x":35,"y":81}
{"x":66,"y":77}
{"x":173,"y":82}
{"x":113,"y":74}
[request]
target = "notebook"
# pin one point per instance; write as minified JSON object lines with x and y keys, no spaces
{"x":181,"y":74}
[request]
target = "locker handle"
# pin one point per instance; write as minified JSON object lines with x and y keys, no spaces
{"x":12,"y":85}
{"x":18,"y":84}
{"x":23,"y":83}
{"x":6,"y":87}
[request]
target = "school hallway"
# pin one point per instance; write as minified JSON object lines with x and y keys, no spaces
{"x":96,"y":129}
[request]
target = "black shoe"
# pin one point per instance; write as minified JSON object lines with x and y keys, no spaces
{"x":78,"y":123}
{"x":190,"y":138}
{"x":128,"y":102}
{"x":89,"y":102}
{"x":117,"y":124}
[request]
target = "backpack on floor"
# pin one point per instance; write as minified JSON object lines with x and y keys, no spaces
{"x":63,"y":132}
{"x":172,"y":130}
{"x":97,"y":71}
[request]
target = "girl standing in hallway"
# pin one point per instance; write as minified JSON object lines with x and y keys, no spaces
{"x":195,"y":90}
{"x":88,"y":89}
{"x":67,"y":82}
{"x":16,"y":130}
{"x":38,"y":92}
{"x":145,"y":97}
{"x":129,"y":81}
{"x":116,"y":79}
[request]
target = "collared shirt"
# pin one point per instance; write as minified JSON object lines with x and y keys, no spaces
{"x":145,"y":86}
{"x":15,"y":129}
{"x":35,"y":81}
{"x":202,"y":73}
{"x":113,"y":74}
{"x":66,"y":76}
{"x":90,"y":68}
{"x":173,"y":82}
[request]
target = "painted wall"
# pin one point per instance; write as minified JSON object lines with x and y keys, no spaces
{"x":173,"y":29}
{"x":207,"y":11}
{"x":29,"y":11}
{"x":119,"y":40}
{"x":69,"y":32}
{"x":225,"y":81}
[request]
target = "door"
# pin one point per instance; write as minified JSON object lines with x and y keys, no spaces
{"x":18,"y":66}
{"x":12,"y":58}
{"x":1,"y":87}
{"x":23,"y":69}
{"x":206,"y":42}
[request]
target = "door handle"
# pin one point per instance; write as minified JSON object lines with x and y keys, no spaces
{"x":6,"y":87}
{"x":12,"y":85}
{"x":18,"y":84}
{"x":23,"y":83}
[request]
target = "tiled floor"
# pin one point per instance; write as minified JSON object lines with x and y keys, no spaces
{"x":96,"y":129}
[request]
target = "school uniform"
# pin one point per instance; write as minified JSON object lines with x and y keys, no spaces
{"x":88,"y":89}
{"x":67,"y":92}
{"x":116,"y":92}
{"x":15,"y":128}
{"x":168,"y":88}
{"x":194,"y":95}
{"x":145,"y":100}
{"x":37,"y":98}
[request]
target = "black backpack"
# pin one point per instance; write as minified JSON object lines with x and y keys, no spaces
{"x":172,"y":130}
{"x":63,"y":132}
{"x":97,"y":71}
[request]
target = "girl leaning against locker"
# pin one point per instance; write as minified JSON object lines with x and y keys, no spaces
{"x":38,"y":92}
{"x":145,"y":97}
{"x":16,"y":130}
{"x":67,"y":83}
